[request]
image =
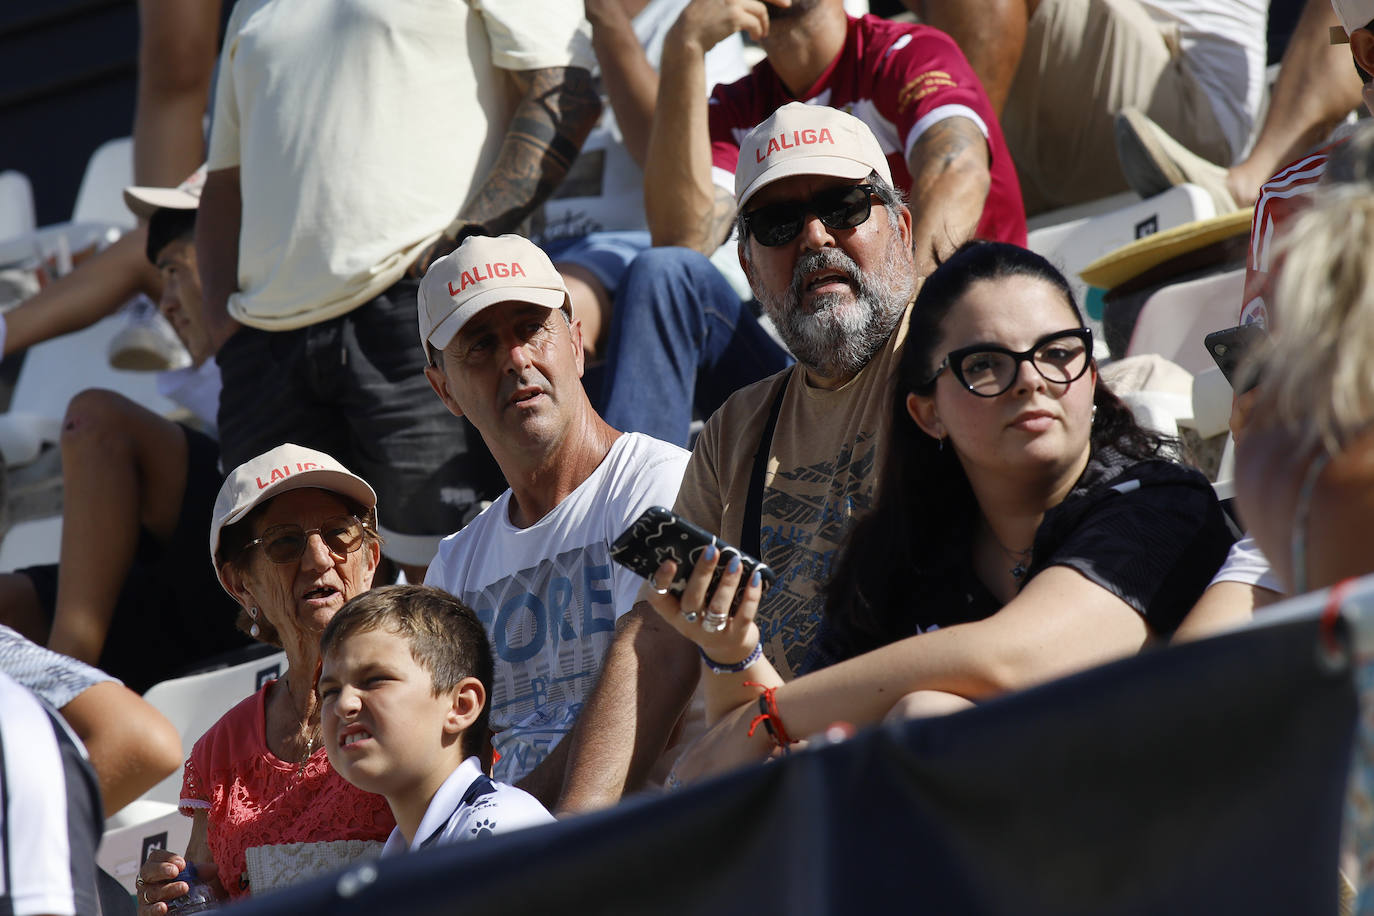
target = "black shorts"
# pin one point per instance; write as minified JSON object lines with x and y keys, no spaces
{"x":172,"y":614}
{"x":354,"y":387}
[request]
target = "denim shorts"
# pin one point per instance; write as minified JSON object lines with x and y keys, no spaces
{"x":354,"y":387}
{"x":605,"y":254}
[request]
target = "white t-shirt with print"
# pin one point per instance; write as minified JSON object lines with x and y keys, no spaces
{"x":549,"y":595}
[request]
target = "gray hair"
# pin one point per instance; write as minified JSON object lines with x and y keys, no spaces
{"x":1318,"y":384}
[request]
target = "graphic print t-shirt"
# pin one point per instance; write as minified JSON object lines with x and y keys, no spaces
{"x":549,"y":595}
{"x":823,"y":466}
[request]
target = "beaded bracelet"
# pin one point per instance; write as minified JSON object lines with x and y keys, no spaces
{"x":717,"y":668}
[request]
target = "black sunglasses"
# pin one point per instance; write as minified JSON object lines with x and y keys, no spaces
{"x":987,"y":371}
{"x":342,"y":534}
{"x":839,"y":208}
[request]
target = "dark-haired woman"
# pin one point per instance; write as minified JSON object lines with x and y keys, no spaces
{"x":1025,"y":527}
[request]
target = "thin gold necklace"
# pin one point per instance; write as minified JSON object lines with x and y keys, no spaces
{"x":309,"y":731}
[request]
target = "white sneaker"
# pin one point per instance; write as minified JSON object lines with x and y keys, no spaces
{"x":1153,"y":162}
{"x":147,"y":342}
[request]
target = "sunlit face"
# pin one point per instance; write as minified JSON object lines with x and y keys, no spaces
{"x":181,"y":302}
{"x":385,"y":730}
{"x":1036,"y":424}
{"x":301,"y":597}
{"x":515,"y":371}
{"x":834,"y":294}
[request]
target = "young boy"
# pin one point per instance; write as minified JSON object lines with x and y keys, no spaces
{"x":406,"y":670}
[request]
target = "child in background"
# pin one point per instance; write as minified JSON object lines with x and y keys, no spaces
{"x":404,"y":679}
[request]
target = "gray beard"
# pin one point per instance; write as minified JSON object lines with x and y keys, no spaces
{"x":834,"y":343}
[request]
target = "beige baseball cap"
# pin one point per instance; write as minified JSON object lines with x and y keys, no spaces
{"x":483,"y":271}
{"x":185,"y":196}
{"x":286,"y":467}
{"x":1353,"y":14}
{"x":801,"y":139}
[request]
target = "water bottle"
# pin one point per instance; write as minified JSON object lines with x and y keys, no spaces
{"x":196,"y":900}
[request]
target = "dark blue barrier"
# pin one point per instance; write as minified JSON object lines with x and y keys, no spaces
{"x":1203,"y":779}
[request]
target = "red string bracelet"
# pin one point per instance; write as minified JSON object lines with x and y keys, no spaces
{"x":769,"y":717}
{"x":1331,"y":615}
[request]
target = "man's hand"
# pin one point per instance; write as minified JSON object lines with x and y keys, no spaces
{"x":703,"y":24}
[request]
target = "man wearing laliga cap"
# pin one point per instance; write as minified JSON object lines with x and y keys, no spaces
{"x":826,"y":242}
{"x":505,"y":351}
{"x":137,"y":490}
{"x":909,"y":83}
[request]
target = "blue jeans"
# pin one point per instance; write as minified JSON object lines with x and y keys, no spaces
{"x":680,"y":338}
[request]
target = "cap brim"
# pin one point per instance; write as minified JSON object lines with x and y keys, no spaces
{"x":338,"y":482}
{"x":144,"y":201}
{"x":445,"y":330}
{"x":829,"y":166}
{"x":1130,"y":261}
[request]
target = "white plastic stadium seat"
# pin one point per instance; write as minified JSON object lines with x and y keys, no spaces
{"x":16,"y":205}
{"x":1175,"y":319}
{"x":1091,"y":236}
{"x":196,"y":702}
{"x":101,"y":196}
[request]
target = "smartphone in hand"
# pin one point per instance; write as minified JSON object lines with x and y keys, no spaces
{"x":660,"y":535}
{"x":1232,"y":347}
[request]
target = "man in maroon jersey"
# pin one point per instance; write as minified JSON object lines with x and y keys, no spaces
{"x":909,"y":83}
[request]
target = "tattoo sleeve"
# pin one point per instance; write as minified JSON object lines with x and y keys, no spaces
{"x":945,"y":142}
{"x":558,"y":108}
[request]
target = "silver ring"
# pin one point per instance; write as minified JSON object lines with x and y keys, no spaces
{"x":691,"y":616}
{"x":657,"y":591}
{"x":714,"y":623}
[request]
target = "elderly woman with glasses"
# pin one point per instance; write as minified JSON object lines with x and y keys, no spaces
{"x":1025,"y":527}
{"x":293,"y":537}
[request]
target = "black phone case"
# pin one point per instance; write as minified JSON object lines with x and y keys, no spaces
{"x":659,"y":535}
{"x":1230,"y":346}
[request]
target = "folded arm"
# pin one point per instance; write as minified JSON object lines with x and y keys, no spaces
{"x":1060,"y":623}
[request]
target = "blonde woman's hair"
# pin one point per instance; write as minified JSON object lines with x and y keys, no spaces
{"x":1318,"y":382}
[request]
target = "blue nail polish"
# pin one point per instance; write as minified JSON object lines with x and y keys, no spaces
{"x":733,"y":566}
{"x":755,"y":580}
{"x":710,"y":553}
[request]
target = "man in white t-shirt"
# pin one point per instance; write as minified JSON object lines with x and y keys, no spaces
{"x":352,"y":143}
{"x":505,"y":351}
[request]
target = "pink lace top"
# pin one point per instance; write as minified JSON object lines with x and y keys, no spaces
{"x":255,"y":799}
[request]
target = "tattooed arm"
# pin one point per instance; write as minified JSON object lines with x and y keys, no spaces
{"x":558,"y":108}
{"x":949,"y":183}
